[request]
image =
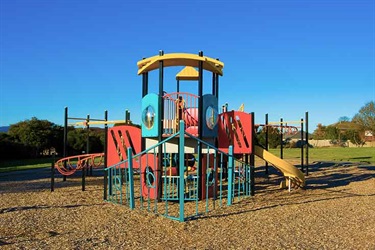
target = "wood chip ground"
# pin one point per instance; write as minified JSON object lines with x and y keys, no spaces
{"x":335,"y":211}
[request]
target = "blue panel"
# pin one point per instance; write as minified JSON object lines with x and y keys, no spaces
{"x":210,"y":116}
{"x":150,"y":115}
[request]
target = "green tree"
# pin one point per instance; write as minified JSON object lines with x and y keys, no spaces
{"x":320,"y":132}
{"x":10,"y":149}
{"x":57,"y":138}
{"x":332,"y":133}
{"x":97,"y":138}
{"x":354,"y":137}
{"x":344,"y":119}
{"x":77,"y":140}
{"x":33,"y":133}
{"x":273,"y":137}
{"x":365,"y":117}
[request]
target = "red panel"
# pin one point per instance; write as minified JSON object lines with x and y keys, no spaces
{"x":235,"y":129}
{"x":118,"y":142}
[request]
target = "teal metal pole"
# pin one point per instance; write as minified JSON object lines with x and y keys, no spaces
{"x":252,"y":158}
{"x":230,"y":175}
{"x":131,"y":180}
{"x":307,"y":141}
{"x":181,"y":157}
{"x":105,"y":155}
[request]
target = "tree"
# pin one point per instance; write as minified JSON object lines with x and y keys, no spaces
{"x":332,"y":133}
{"x":77,"y":140}
{"x":365,"y":117}
{"x":344,"y":119}
{"x":354,"y":137}
{"x":9,"y":149}
{"x":273,"y":137}
{"x":320,"y":132}
{"x":57,"y":138}
{"x":33,"y":133}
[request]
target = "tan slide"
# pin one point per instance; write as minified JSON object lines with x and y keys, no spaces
{"x":288,"y":170}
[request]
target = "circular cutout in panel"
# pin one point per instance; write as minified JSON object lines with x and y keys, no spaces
{"x":149,"y":177}
{"x":148,"y":117}
{"x":211,"y":117}
{"x":210,"y":177}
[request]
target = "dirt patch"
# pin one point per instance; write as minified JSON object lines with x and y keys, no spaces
{"x":335,"y":211}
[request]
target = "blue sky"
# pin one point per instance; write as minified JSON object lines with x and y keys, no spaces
{"x":281,"y":57}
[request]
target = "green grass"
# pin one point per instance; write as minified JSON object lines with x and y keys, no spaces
{"x":14,"y":165}
{"x":331,"y":154}
{"x":366,"y":155}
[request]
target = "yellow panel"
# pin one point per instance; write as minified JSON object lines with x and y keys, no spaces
{"x":188,"y":73}
{"x":180,"y":59}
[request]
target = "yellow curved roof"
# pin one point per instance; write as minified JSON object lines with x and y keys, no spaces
{"x":180,"y":59}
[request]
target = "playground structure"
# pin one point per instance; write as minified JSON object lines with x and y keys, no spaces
{"x":186,"y":159}
{"x":191,"y":158}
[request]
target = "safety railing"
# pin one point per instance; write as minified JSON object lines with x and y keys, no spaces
{"x":180,"y":106}
{"x":177,"y":186}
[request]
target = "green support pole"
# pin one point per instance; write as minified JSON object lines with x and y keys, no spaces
{"x":266,"y":162}
{"x":65,"y":152}
{"x":181,"y":157}
{"x":53,"y":176}
{"x":89,"y":168}
{"x":302,"y":145}
{"x":252,"y":158}
{"x":307,"y":141}
{"x":83,"y":179}
{"x":144,"y":93}
{"x":281,"y":138}
{"x":200,"y":122}
{"x":161,"y":118}
{"x":217,"y":84}
{"x":230,"y":175}
{"x":105,"y":156}
{"x":131,"y":180}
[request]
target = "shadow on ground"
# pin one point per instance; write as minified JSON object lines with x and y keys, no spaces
{"x":335,"y":174}
{"x":322,"y":174}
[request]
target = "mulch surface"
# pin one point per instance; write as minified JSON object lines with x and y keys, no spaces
{"x":335,"y":211}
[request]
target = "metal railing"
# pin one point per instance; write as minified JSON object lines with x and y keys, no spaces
{"x":182,"y":188}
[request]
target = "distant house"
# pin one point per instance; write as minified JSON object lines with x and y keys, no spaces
{"x":369,"y":136}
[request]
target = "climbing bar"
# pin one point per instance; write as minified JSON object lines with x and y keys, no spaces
{"x":286,"y":122}
{"x":69,"y":165}
{"x":85,"y":123}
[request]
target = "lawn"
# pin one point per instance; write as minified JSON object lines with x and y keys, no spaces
{"x":363,"y":155}
{"x":14,"y":165}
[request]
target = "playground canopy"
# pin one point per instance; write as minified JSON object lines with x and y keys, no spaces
{"x":180,"y":59}
{"x":188,"y":74}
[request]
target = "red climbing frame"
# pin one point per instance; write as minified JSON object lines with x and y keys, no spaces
{"x":235,"y":129}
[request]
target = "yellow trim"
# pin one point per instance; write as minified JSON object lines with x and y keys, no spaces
{"x":96,"y":123}
{"x":180,"y":59}
{"x":242,"y":108}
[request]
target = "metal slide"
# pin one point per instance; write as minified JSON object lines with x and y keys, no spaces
{"x":288,"y":170}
